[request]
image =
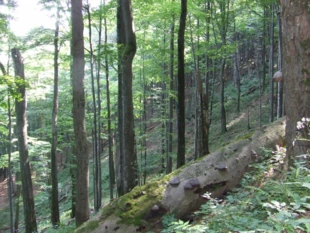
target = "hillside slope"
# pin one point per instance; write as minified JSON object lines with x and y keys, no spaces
{"x":183,"y":191}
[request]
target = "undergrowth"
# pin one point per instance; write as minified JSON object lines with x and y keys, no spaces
{"x":267,"y":200}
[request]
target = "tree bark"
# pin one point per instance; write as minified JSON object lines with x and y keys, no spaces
{"x":21,"y":131}
{"x":9,"y":150}
{"x":181,"y":87}
{"x":128,"y":161}
{"x":222,"y":96}
{"x":171,"y":100}
{"x":110,"y":135}
{"x":271,"y":63}
{"x":280,"y":109}
{"x":55,"y":219}
{"x":96,"y":152}
{"x":81,"y":145}
{"x":216,"y":174}
{"x":296,"y":72}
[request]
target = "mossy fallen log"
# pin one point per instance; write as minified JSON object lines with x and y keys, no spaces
{"x":182,"y":191}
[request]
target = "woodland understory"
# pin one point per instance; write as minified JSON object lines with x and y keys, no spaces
{"x":156,"y":116}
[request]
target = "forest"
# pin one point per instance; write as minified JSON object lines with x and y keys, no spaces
{"x":155,"y":116}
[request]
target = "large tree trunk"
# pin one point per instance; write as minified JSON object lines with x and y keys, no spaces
{"x":181,"y":87}
{"x":296,"y":72}
{"x":127,"y":175}
{"x":81,"y":145}
{"x":182,"y":191}
{"x":21,"y":131}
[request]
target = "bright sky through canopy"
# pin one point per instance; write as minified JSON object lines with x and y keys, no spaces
{"x":29,"y":14}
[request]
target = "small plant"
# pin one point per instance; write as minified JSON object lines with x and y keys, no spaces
{"x":261,"y":204}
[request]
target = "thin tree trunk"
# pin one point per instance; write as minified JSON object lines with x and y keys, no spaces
{"x":73,"y":171}
{"x":21,"y":129}
{"x":110,"y":139}
{"x":206,"y":97}
{"x":99,"y":140}
{"x":181,"y":87}
{"x":9,"y":166}
{"x":222,"y":97}
{"x":81,"y":144}
{"x":17,"y":200}
{"x":264,"y":50}
{"x":259,"y":83}
{"x":171,"y":100}
{"x":280,"y":84}
{"x":96,"y":155}
{"x":271,"y":62}
{"x":55,"y":219}
{"x":9,"y":149}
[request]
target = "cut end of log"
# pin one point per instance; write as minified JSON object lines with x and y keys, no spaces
{"x":278,"y":77}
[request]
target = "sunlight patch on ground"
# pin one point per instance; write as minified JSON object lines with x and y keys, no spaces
{"x":237,"y":120}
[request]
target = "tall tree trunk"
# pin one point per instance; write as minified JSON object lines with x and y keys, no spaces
{"x":9,"y":150}
{"x":258,"y":45}
{"x":17,"y":200}
{"x":99,"y":139}
{"x":81,"y":144}
{"x":73,"y":172}
{"x":119,"y":132}
{"x":206,"y":97}
{"x":110,"y":137}
{"x":171,"y":99}
{"x":21,"y":131}
{"x":9,"y":167}
{"x":222,"y":97}
{"x":181,"y":87}
{"x":264,"y":49}
{"x":128,"y":160}
{"x":280,"y":84}
{"x":271,"y":62}
{"x":198,"y":142}
{"x":296,"y":73}
{"x":96,"y":153}
{"x":54,"y":179}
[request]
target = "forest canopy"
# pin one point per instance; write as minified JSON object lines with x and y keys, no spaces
{"x":100,"y":97}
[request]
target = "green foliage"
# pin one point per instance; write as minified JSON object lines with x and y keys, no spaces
{"x":171,"y":224}
{"x":261,"y":204}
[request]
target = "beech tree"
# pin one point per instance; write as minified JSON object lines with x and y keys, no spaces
{"x":21,"y":128}
{"x":126,"y":161}
{"x":296,"y":72}
{"x":55,"y":219}
{"x":81,"y":145}
{"x":181,"y":87}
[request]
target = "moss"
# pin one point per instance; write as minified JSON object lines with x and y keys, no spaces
{"x":134,"y":206}
{"x":245,"y":136}
{"x":88,"y":227}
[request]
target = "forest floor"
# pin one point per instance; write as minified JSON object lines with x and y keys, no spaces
{"x":237,"y":125}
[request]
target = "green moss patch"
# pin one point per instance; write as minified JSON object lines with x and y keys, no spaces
{"x":88,"y":227}
{"x":135,"y":205}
